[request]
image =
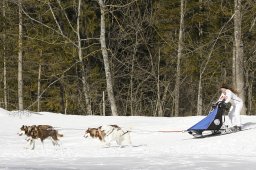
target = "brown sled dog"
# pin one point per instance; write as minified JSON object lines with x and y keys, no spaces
{"x":41,"y":132}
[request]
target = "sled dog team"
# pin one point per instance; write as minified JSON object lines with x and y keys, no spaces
{"x":106,"y":134}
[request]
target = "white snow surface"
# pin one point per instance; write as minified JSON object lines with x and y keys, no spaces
{"x":151,"y":148}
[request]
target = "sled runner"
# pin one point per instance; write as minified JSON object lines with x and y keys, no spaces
{"x":212,"y":124}
{"x":226,"y":131}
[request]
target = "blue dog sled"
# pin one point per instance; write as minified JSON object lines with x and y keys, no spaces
{"x":212,"y":123}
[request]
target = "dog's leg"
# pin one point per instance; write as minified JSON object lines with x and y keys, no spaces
{"x":129,"y":139}
{"x":28,"y":139}
{"x":29,"y":143}
{"x":125,"y":139}
{"x":105,"y":143}
{"x":118,"y":141}
{"x":42,"y":141}
{"x":59,"y":144}
{"x":32,"y":143}
{"x":54,"y":138}
{"x":55,"y":143}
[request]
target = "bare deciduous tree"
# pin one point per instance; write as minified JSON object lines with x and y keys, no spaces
{"x":39,"y":82}
{"x":199,"y":94}
{"x":111,"y":96}
{"x":20,"y":79}
{"x":80,"y":55}
{"x":4,"y":58}
{"x":180,"y":47}
{"x":238,"y":61}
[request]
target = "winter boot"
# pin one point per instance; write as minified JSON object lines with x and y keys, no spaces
{"x":236,"y":128}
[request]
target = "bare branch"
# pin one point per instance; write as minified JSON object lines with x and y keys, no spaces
{"x":39,"y":22}
{"x":54,"y":17}
{"x":253,"y":23}
{"x":213,"y":46}
{"x":122,"y":6}
{"x":66,"y":17}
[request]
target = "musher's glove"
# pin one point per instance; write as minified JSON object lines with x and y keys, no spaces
{"x":214,"y":105}
{"x":222,"y":104}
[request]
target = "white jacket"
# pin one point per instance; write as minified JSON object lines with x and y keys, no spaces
{"x":231,"y":97}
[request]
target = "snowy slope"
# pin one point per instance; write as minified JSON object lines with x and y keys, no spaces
{"x":151,"y":149}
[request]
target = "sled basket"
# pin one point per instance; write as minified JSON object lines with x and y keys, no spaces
{"x":213,"y":121}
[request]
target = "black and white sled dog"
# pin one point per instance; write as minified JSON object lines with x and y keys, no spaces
{"x":109,"y":134}
{"x":41,"y":132}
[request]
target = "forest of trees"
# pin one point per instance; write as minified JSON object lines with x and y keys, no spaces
{"x":126,"y":57}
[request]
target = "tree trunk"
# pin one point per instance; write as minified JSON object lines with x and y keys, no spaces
{"x":180,"y":47}
{"x":131,"y":80}
{"x":199,"y":97}
{"x":159,"y":108}
{"x":249,"y":87}
{"x":106,"y":61}
{"x":132,"y":96}
{"x":238,"y":67}
{"x":199,"y":106}
{"x":103,"y":104}
{"x":80,"y":55}
{"x":62,"y":96}
{"x":4,"y":58}
{"x":39,"y":83}
{"x":20,"y":79}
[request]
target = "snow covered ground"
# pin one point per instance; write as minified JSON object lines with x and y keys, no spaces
{"x":151,"y":150}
